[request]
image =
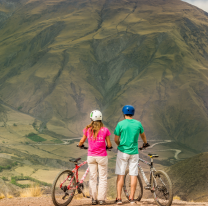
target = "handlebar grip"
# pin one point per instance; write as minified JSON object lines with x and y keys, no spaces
{"x":107,"y":148}
{"x":144,"y":146}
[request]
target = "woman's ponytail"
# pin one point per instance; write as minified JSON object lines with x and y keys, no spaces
{"x":95,"y":127}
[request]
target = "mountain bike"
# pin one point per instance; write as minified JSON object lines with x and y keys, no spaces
{"x":159,"y":184}
{"x":67,"y":182}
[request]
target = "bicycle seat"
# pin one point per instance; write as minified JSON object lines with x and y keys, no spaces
{"x":153,"y":155}
{"x":75,"y":161}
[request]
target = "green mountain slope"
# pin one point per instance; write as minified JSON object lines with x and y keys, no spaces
{"x":61,"y":59}
{"x":190,"y":178}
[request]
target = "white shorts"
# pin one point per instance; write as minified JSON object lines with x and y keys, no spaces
{"x":123,"y":160}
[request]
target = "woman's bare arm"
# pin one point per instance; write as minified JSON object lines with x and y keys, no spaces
{"x":109,"y":145}
{"x":82,"y":140}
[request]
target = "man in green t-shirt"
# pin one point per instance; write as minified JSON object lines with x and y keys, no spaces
{"x":126,"y":137}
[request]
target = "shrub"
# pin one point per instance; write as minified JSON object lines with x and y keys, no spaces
{"x":16,"y":178}
{"x":19,"y":108}
{"x":14,"y":125}
{"x":8,"y":167}
{"x":14,"y":164}
{"x":4,"y":178}
{"x":57,"y":141}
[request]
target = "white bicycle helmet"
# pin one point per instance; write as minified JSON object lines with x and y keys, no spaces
{"x":96,"y":115}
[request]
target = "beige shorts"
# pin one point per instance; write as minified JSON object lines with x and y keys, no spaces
{"x":123,"y":160}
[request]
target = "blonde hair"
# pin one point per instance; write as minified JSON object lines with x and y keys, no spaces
{"x":95,"y":127}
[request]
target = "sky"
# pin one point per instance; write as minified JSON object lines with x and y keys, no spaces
{"x":202,"y":4}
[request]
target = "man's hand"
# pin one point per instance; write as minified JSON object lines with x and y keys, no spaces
{"x":145,"y":145}
{"x":116,"y":139}
{"x":82,"y":141}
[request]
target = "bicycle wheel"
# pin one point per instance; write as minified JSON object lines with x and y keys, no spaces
{"x":163,"y":194}
{"x":61,"y":196}
{"x":127,"y":187}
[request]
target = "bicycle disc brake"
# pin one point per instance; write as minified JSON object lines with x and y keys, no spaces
{"x":80,"y":188}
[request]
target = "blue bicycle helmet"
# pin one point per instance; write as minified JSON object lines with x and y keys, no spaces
{"x":128,"y":109}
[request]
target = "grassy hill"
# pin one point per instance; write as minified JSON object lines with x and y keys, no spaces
{"x":61,"y":59}
{"x":190,"y":178}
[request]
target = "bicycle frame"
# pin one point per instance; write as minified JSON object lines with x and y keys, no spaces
{"x":151,"y":172}
{"x":75,"y":171}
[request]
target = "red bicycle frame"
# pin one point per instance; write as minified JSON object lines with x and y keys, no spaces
{"x":75,"y":171}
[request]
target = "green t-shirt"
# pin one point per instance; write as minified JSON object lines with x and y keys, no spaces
{"x":129,"y":130}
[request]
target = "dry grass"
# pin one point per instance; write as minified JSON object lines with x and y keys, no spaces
{"x":78,"y":197}
{"x":2,"y":196}
{"x":9,"y":196}
{"x":34,"y":191}
{"x":176,"y":198}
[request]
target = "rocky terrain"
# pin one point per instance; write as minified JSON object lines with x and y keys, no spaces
{"x":42,"y":201}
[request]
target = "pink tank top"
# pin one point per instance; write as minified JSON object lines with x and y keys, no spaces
{"x":97,"y":147}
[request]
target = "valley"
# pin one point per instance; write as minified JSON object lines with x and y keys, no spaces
{"x":61,"y":59}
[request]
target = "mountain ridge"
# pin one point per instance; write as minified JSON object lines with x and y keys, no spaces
{"x":62,"y":59}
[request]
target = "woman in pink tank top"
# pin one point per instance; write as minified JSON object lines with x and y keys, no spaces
{"x":97,"y":136}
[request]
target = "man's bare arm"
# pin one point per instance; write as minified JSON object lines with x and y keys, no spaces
{"x":143,"y":136}
{"x":81,"y":142}
{"x":116,"y":139}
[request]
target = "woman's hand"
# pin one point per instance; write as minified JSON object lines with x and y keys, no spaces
{"x":82,"y":141}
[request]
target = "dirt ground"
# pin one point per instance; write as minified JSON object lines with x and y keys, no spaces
{"x":46,"y":201}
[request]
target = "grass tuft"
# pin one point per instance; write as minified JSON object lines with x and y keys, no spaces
{"x":2,"y":196}
{"x":176,"y":198}
{"x":34,"y":191}
{"x":9,"y":196}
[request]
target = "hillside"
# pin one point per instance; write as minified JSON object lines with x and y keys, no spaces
{"x":61,"y":59}
{"x":190,"y":178}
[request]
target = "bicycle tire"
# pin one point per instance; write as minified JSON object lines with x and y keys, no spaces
{"x":57,"y":198}
{"x":163,"y":192}
{"x":127,"y":187}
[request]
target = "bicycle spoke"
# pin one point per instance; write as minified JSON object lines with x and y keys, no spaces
{"x":64,"y":188}
{"x":162,"y":189}
{"x":127,"y":187}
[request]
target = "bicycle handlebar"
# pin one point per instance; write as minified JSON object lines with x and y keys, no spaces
{"x":109,"y":148}
{"x":144,"y":146}
{"x":83,"y":147}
